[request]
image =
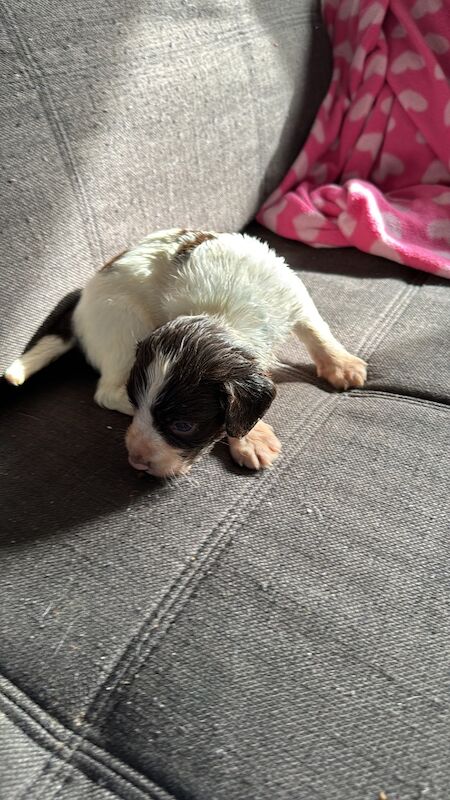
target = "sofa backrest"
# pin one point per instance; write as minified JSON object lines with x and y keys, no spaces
{"x":122,"y":117}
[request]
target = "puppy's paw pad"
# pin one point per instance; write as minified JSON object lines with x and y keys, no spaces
{"x":344,"y":371}
{"x":258,"y":449}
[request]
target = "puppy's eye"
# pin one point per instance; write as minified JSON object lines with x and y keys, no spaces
{"x":183,"y":427}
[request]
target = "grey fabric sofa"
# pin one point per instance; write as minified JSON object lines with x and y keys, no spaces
{"x":234,"y":636}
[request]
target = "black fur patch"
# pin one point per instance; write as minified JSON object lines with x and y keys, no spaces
{"x":213,"y":383}
{"x":201,"y":404}
{"x":59,"y":321}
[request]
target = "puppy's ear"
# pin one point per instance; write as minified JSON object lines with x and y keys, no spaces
{"x":248,"y":399}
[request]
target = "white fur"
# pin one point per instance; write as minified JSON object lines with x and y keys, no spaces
{"x":44,"y":351}
{"x":144,"y":442}
{"x":157,"y":374}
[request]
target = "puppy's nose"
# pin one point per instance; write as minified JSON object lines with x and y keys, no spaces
{"x":138,"y":464}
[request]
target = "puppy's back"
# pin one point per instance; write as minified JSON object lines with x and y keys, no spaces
{"x":240,"y":280}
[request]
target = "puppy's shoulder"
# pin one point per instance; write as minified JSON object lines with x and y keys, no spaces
{"x":151,"y":253}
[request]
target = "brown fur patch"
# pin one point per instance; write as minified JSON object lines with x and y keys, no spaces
{"x":198,"y":237}
{"x":113,"y":260}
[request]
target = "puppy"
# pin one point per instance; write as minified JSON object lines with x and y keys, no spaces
{"x":183,"y":330}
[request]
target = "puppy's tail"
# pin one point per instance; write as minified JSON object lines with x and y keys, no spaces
{"x":54,"y":338}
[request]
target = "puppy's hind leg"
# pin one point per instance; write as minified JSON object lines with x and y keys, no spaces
{"x":333,"y":362}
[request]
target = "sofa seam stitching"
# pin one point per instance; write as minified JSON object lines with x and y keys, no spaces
{"x":17,"y":719}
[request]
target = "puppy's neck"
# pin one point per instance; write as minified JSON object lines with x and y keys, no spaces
{"x":246,"y":329}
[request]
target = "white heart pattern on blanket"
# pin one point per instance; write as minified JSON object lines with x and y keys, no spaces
{"x":308,"y":225}
{"x":328,"y":102}
{"x":336,"y":76}
{"x":442,"y":199}
{"x":407,"y":60}
{"x":345,"y":51}
{"x":318,"y":131}
{"x":447,"y":114}
{"x":384,"y":250}
{"x":370,"y":143}
{"x":376,"y":66}
{"x":439,"y":44}
{"x":348,"y":8}
{"x":271,"y":214}
{"x":439,"y":229}
{"x":423,"y":7}
{"x":373,"y":15}
{"x":438,"y":73}
{"x":361,"y":107}
{"x":346,"y":223}
{"x":359,"y":58}
{"x":300,"y":166}
{"x":389,"y":165}
{"x":412,"y":100}
{"x":435,"y":173}
{"x":392,"y":224}
{"x":386,"y":105}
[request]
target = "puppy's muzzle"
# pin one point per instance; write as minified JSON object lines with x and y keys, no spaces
{"x":153,"y":455}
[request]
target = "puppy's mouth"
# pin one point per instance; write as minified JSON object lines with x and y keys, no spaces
{"x":137,"y":465}
{"x":160,"y":472}
{"x":162,"y":460}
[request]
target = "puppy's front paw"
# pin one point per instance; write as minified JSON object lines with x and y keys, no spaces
{"x":258,"y":449}
{"x":115,"y":398}
{"x":343,"y":371}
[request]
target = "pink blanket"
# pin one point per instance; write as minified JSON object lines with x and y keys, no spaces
{"x":375,"y":170}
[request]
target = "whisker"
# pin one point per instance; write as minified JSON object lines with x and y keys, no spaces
{"x":171,"y":480}
{"x":191,"y":480}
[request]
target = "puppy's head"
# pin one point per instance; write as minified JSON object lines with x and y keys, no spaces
{"x":191,"y":385}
